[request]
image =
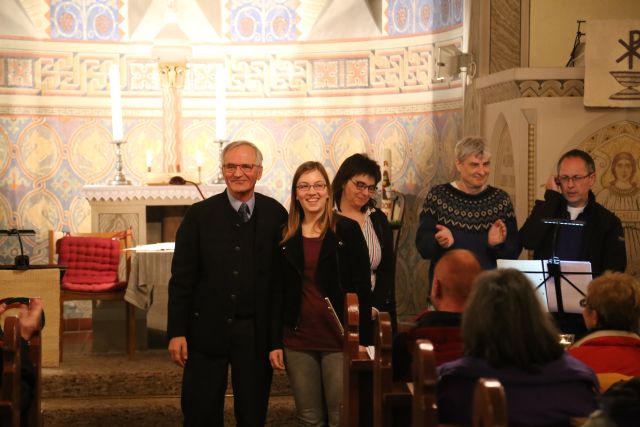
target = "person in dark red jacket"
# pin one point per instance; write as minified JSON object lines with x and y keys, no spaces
{"x":452,"y":283}
{"x":611,"y":313}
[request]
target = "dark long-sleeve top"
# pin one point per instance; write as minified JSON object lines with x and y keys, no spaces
{"x":469,"y":217}
{"x":208,"y":261}
{"x":384,"y":298}
{"x":343,"y":266}
{"x":552,"y":394}
{"x":602,"y":240}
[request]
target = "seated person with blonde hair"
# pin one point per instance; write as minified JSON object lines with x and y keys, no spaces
{"x":612,"y":315}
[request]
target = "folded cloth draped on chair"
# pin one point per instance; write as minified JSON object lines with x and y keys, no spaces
{"x":91,"y":264}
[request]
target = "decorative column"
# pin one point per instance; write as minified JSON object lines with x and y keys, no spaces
{"x":172,"y":50}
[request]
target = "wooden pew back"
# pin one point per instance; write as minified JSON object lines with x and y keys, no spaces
{"x":357,"y":369}
{"x":425,"y":379}
{"x":489,"y":404}
{"x":11,"y":367}
{"x":387,"y":394}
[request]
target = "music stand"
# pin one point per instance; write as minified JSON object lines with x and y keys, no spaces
{"x":559,"y":292}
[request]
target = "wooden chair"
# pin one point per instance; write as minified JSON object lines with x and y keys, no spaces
{"x":12,"y":369}
{"x":424,"y":412}
{"x":387,"y":394}
{"x":112,"y":290}
{"x":489,"y":404}
{"x":357,"y":371}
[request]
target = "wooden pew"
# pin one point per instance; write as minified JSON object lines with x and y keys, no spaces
{"x":357,"y":371}
{"x":33,"y":414}
{"x":10,"y":392}
{"x":387,"y":394}
{"x":424,"y":411}
{"x":489,"y":404}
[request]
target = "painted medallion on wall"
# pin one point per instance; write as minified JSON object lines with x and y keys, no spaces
{"x":260,"y":136}
{"x":303,"y":142}
{"x":4,"y":152}
{"x":348,"y":139}
{"x":91,"y":154}
{"x":39,"y":150}
{"x":40,"y":210}
{"x":393,"y":137}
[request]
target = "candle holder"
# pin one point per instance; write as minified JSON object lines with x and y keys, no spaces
{"x":119,"y":178}
{"x":220,"y":178}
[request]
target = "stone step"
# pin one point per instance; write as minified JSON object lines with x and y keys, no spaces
{"x":150,"y":374}
{"x":143,"y":411}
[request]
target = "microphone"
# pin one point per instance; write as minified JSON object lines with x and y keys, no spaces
{"x":21,"y":261}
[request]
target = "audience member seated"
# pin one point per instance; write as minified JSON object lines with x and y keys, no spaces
{"x":453,"y":278}
{"x":619,"y":406}
{"x":611,"y":314}
{"x":30,"y":323}
{"x":508,"y":336}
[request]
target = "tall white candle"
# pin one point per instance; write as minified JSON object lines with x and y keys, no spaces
{"x":199,"y":158}
{"x":221,"y":103}
{"x":116,"y":103}
{"x":149,"y":159}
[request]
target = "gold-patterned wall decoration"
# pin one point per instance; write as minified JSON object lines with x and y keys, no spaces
{"x":616,"y":150}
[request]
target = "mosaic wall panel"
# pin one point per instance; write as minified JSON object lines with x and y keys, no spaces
{"x":44,"y":162}
{"x":423,"y":16}
{"x":95,"y":20}
{"x":263,"y":20}
{"x":370,"y":72}
{"x":245,"y":21}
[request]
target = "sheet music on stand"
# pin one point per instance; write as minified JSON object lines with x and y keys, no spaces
{"x":574,"y":279}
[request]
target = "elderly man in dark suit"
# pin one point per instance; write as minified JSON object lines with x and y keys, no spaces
{"x":219,"y":292}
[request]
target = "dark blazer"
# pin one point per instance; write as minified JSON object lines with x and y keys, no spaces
{"x":201,"y":305}
{"x":603,"y":242}
{"x":343,"y":266}
{"x":384,"y":294}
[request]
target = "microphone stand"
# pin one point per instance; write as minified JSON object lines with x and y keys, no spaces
{"x":21,"y":261}
{"x":553,"y":264}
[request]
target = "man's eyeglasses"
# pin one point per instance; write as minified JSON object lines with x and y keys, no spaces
{"x":363,"y":186}
{"x":245,"y":167}
{"x":575,"y":178}
{"x":583,"y":303}
{"x":318,"y":186}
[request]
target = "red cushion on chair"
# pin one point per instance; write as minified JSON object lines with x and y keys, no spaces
{"x":92,"y":263}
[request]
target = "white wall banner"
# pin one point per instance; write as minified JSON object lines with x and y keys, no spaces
{"x":612,"y":70}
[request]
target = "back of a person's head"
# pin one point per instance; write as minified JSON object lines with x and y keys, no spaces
{"x":505,"y":324}
{"x":621,"y":403}
{"x":456,"y":272}
{"x":615,"y":297}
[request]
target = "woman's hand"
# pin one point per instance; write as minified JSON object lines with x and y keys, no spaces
{"x":276,"y":357}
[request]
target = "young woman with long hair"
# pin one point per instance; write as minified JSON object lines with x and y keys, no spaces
{"x":323,"y":256}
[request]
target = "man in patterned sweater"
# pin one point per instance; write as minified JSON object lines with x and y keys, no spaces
{"x":467,"y":213}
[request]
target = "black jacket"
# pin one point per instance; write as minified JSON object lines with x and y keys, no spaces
{"x":603,"y":243}
{"x":201,"y":301}
{"x":343,"y":266}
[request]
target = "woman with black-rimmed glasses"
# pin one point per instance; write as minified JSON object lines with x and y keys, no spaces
{"x":354,"y":185}
{"x":322,"y":258}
